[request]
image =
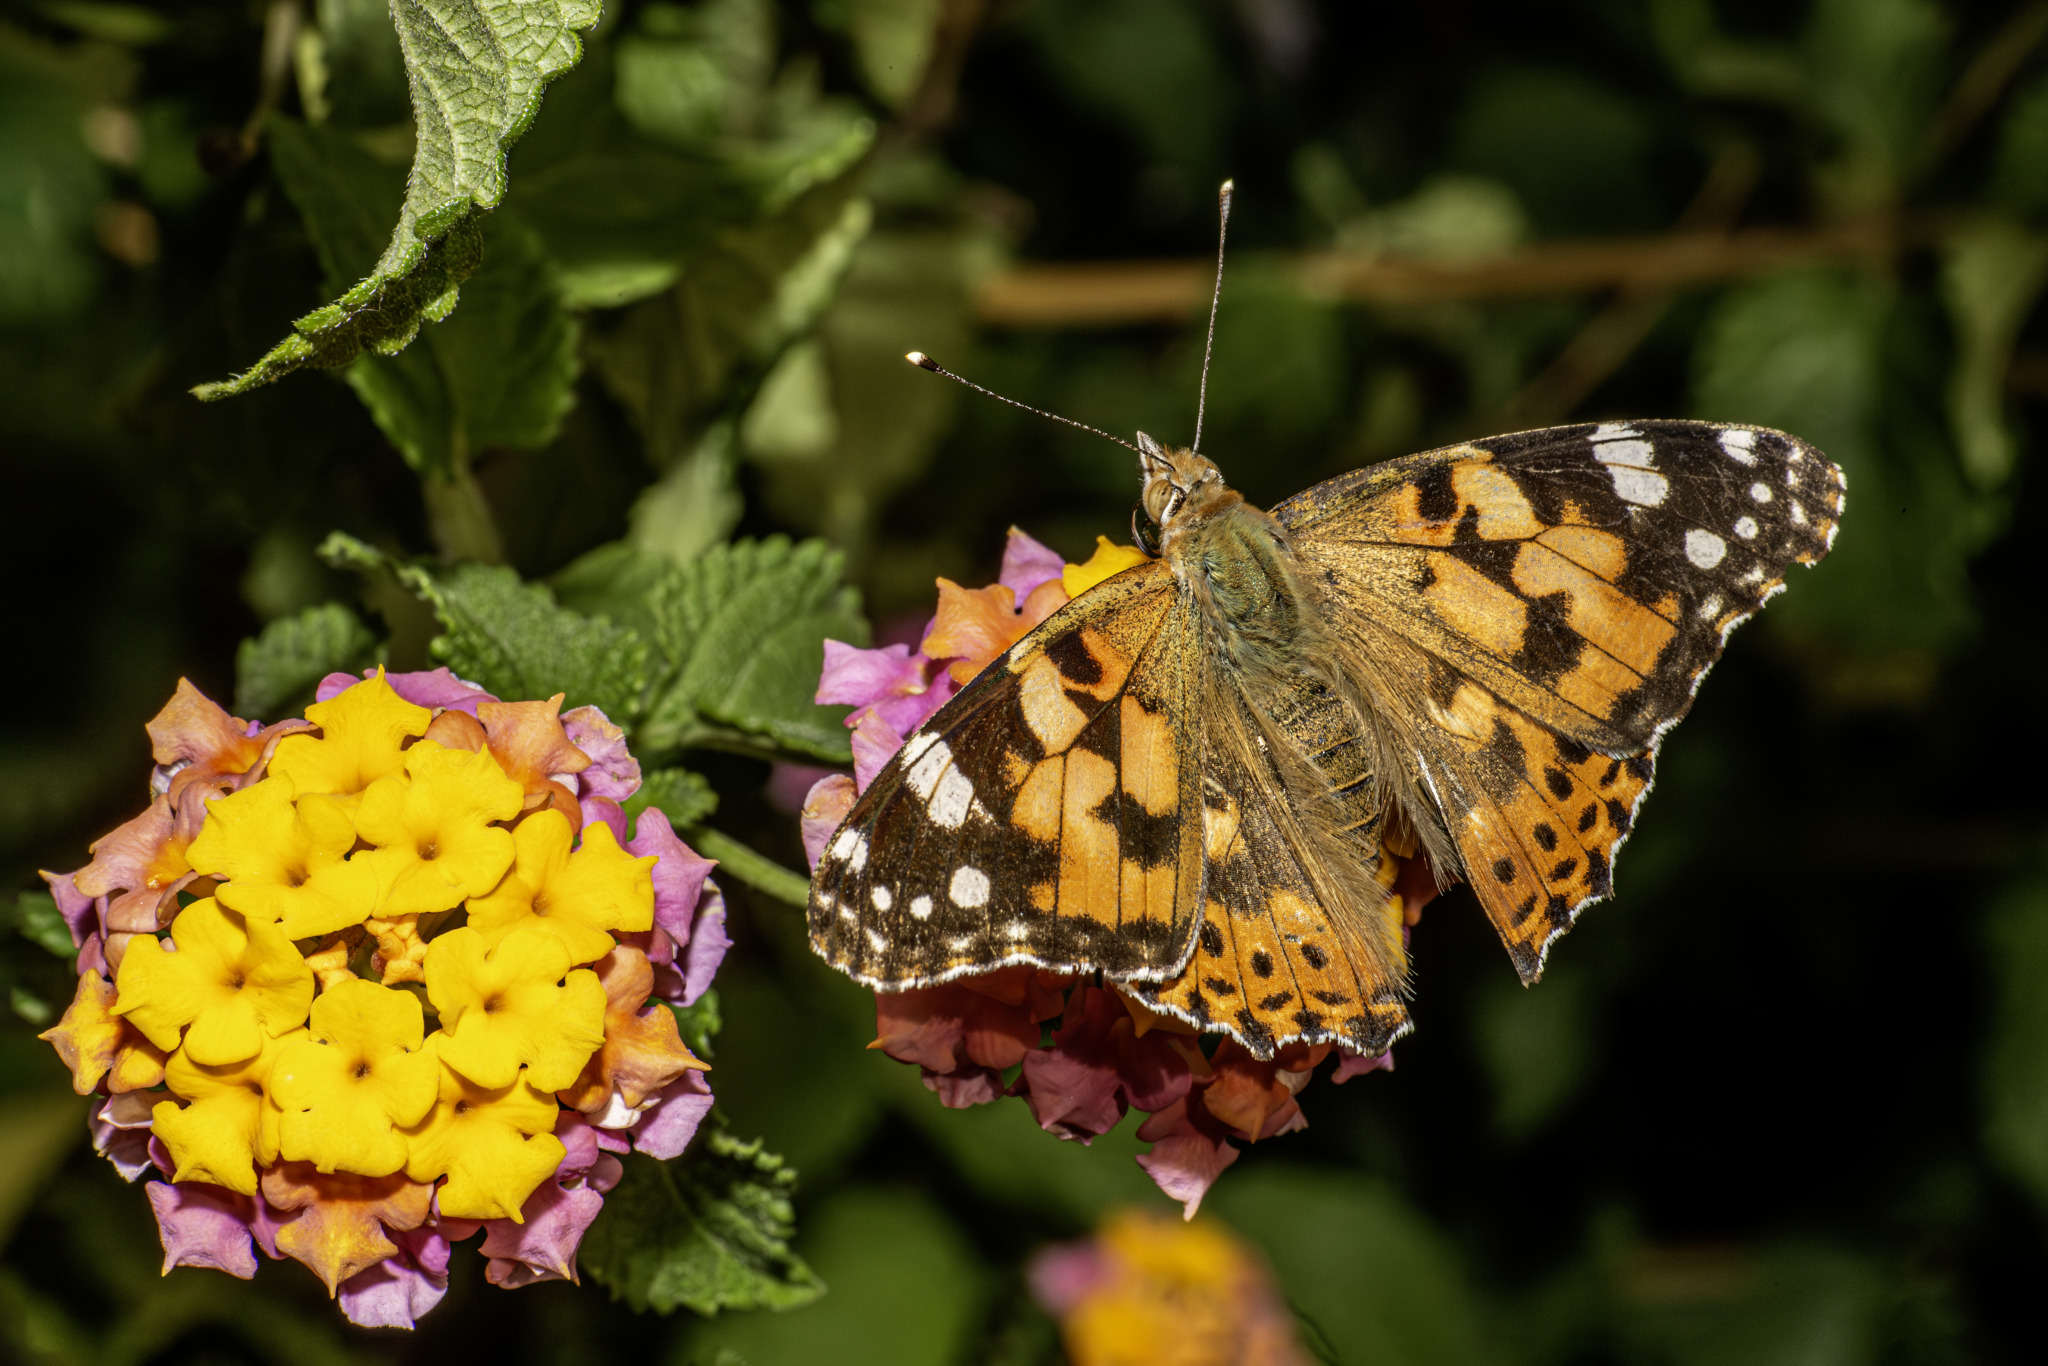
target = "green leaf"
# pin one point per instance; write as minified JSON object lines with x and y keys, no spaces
{"x":1991,"y":273}
{"x":684,"y":797}
{"x":893,"y":42}
{"x":705,"y":1233}
{"x":37,"y":917}
{"x":49,"y":182}
{"x":1807,"y":352}
{"x":908,"y":1289}
{"x":499,"y":373}
{"x":2015,"y":1075}
{"x":510,"y":637}
{"x":697,"y":1023}
{"x":278,"y":669}
{"x":477,"y":69}
{"x":742,"y":638}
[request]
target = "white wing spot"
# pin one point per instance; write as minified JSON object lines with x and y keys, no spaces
{"x":928,"y":764}
{"x":859,"y":858}
{"x":1755,"y":574}
{"x":921,"y":907}
{"x":917,"y":745}
{"x":1631,"y":464}
{"x":882,"y":898}
{"x":1798,"y":512}
{"x":970,"y":888}
{"x":1711,"y":608}
{"x":947,"y":792}
{"x":962,"y":944}
{"x":1760,"y":492}
{"x":877,"y":942}
{"x":953,"y":800}
{"x":1745,"y":527}
{"x":842,"y":847}
{"x":1740,"y":444}
{"x":1017,"y":931}
{"x":1704,"y":548}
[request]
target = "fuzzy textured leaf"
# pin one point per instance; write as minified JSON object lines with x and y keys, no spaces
{"x":741,"y":636}
{"x":684,"y":797}
{"x":706,"y":1233}
{"x":511,"y":637}
{"x":477,"y":69}
{"x":279,"y":667}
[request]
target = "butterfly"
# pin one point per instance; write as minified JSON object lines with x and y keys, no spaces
{"x":1186,"y":778}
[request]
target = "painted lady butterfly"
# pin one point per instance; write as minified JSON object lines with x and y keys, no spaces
{"x":1185,"y":778}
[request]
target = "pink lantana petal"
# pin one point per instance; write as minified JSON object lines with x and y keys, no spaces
{"x":1187,"y":1155}
{"x":708,"y":943}
{"x":860,"y":678}
{"x":555,"y":1218}
{"x":875,"y":743}
{"x":1027,"y":564}
{"x":789,"y":784}
{"x":398,"y":1291}
{"x":1073,"y":1095}
{"x":422,"y":688}
{"x":1064,"y":1274}
{"x":604,"y":811}
{"x":81,"y":912}
{"x":679,"y":873}
{"x":830,"y":798}
{"x":120,"y":1130}
{"x":92,"y":957}
{"x":667,"y":1126}
{"x":203,"y":1225}
{"x":1351,"y":1065}
{"x":905,"y":714}
{"x":965,"y":1087}
{"x":613,"y":771}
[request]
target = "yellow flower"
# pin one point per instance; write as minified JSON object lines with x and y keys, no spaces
{"x":361,"y":732}
{"x":1108,"y":560}
{"x":230,"y":1127}
{"x":286,"y":862}
{"x":358,"y":1074}
{"x":511,"y":1005}
{"x":575,"y":897}
{"x":433,"y":832}
{"x":234,"y":981}
{"x":96,"y":1043}
{"x":494,"y":1146}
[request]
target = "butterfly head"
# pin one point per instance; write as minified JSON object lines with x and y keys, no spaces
{"x":1181,"y":487}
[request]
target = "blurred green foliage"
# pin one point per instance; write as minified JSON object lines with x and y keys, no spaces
{"x":1784,"y":1100}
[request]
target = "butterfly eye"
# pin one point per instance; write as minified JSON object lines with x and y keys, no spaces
{"x":1144,"y":535}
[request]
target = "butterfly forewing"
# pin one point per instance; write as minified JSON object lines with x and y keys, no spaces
{"x":1049,"y":814}
{"x":1569,"y":587}
{"x":1585,"y":575}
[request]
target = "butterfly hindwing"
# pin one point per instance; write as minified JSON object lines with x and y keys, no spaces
{"x":1282,"y":953}
{"x":1048,"y":814}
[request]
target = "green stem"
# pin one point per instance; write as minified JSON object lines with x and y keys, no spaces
{"x":758,"y":871}
{"x":458,"y":512}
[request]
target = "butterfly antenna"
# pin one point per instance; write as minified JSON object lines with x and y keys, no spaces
{"x":1209,"y":347}
{"x":924,"y":362}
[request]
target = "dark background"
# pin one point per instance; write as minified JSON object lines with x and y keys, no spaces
{"x":1785,"y":1099}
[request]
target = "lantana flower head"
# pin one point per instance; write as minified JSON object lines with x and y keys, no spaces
{"x":1146,"y":1291}
{"x":363,"y":985}
{"x":1077,"y":1050}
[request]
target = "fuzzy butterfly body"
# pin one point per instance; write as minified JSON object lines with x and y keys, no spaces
{"x":1187,"y":778}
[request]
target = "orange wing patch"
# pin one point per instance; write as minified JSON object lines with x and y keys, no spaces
{"x":1044,"y":816}
{"x":1537,"y":818}
{"x":1271,"y":963}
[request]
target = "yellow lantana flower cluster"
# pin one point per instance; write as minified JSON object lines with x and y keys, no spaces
{"x":388,"y":952}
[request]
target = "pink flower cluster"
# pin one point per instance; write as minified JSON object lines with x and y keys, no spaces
{"x":131,"y":888}
{"x":978,"y":1039}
